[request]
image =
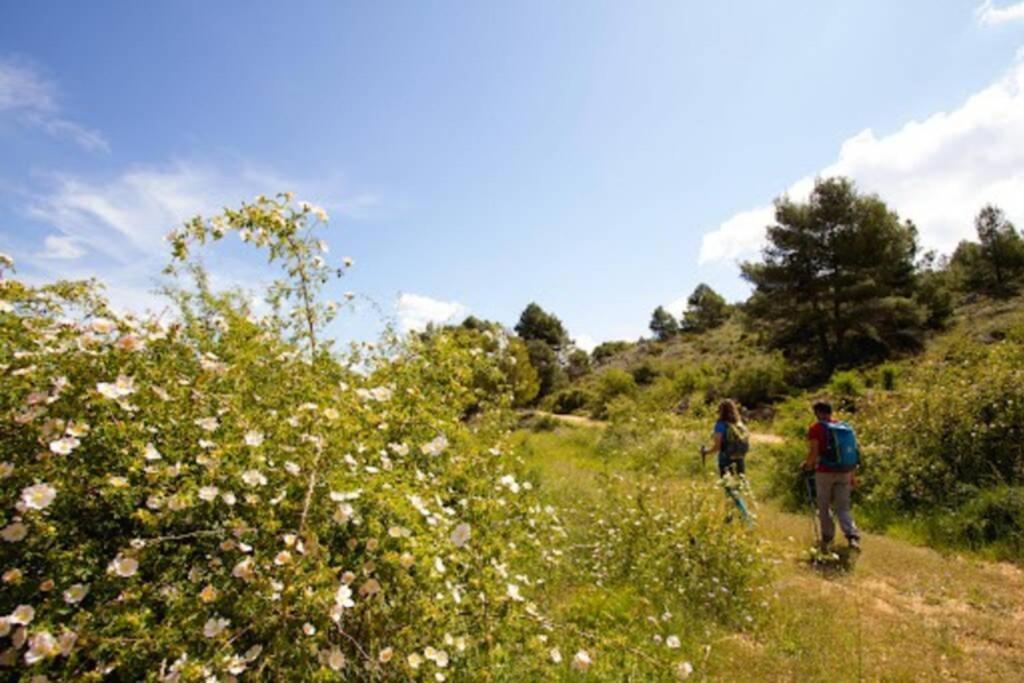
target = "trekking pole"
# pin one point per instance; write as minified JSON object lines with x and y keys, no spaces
{"x":810,"y":489}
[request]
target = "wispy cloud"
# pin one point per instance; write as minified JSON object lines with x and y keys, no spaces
{"x":937,"y":172}
{"x":31,"y":98}
{"x":60,"y":247}
{"x":120,"y":220}
{"x":989,"y":14}
{"x":416,"y":311}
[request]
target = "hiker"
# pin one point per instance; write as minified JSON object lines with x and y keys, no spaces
{"x":732,"y":440}
{"x":833,"y":456}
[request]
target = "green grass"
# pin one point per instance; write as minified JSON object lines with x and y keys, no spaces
{"x":898,"y":612}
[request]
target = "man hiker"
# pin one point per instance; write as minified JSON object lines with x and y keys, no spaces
{"x":833,"y":455}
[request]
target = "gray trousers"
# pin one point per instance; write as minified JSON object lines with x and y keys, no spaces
{"x":834,"y":492}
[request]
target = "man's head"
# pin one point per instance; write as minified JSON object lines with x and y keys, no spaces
{"x":822,"y":410}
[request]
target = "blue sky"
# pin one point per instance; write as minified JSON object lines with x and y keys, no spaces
{"x":599,"y":158}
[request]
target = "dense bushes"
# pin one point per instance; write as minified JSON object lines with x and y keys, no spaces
{"x":956,"y":429}
{"x":220,"y":495}
{"x":757,"y":380}
{"x":569,"y":401}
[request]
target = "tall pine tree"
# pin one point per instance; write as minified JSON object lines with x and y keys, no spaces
{"x":836,"y":282}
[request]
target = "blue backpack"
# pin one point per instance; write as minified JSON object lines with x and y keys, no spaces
{"x":841,"y":449}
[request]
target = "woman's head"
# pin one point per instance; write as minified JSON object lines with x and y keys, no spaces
{"x":728,"y":412}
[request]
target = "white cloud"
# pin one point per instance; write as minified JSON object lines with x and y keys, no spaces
{"x":988,"y":14}
{"x":938,"y":172}
{"x":416,"y":311}
{"x":60,"y":247}
{"x":585,"y":342}
{"x":31,"y":99}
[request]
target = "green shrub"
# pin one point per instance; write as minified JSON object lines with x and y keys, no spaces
{"x":644,"y":374}
{"x":611,"y":384}
{"x":757,"y":380}
{"x":223,"y":495}
{"x":569,"y":401}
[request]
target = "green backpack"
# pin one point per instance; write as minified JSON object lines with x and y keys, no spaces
{"x":736,"y":441}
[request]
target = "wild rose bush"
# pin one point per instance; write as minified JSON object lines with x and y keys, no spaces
{"x":221,"y":497}
{"x":948,"y":445}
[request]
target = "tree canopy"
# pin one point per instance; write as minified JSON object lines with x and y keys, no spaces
{"x":706,"y":309}
{"x":836,"y":282}
{"x":663,"y":324}
{"x":995,"y":263}
{"x":536,"y":323}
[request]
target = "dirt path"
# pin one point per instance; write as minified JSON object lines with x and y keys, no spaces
{"x":581,"y":421}
{"x":910,"y":613}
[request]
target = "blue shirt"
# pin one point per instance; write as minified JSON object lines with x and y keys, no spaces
{"x":722,"y":427}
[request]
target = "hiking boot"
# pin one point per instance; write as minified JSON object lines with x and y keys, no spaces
{"x":854,"y":543}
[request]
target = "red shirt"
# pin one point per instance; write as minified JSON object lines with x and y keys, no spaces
{"x":818,"y":433}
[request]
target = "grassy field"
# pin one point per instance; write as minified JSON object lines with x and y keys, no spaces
{"x":897,"y":612}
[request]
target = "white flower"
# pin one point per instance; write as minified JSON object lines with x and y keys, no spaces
{"x":400,"y":449}
{"x":209,"y":493}
{"x":439,"y":657}
{"x":65,"y":445}
{"x":22,"y":615}
{"x":208,"y":424}
{"x":309,"y":629}
{"x":414,"y":660}
{"x":375,"y":394}
{"x":683,"y":670}
{"x":66,"y":642}
{"x":102,"y":326}
{"x":14,"y":532}
{"x":343,"y":597}
{"x":460,"y":535}
{"x":435,"y":447}
{"x":41,"y":646}
{"x":439,"y":565}
{"x":513,"y":592}
{"x":581,"y":661}
{"x":292,"y":468}
{"x":123,"y":386}
{"x":243,"y":570}
{"x":672,"y":642}
{"x":254,"y":478}
{"x":215,"y":626}
{"x":151,"y":453}
{"x":76,"y":593}
{"x":556,"y":655}
{"x":284,"y":557}
{"x":335,"y":659}
{"x":124,"y":566}
{"x":229,"y":498}
{"x":509,"y":482}
{"x":253,"y":438}
{"x":38,"y":497}
{"x":236,"y":665}
{"x":6,"y":469}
